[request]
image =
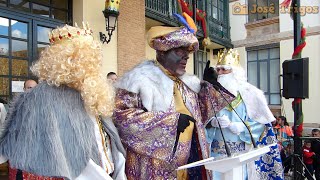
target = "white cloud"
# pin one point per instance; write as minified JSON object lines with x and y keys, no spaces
{"x":4,"y":49}
{"x":5,"y":22}
{"x":19,"y":45}
{"x":19,"y":34}
{"x":43,"y":34}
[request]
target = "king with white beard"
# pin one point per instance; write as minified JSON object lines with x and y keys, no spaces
{"x":250,"y":106}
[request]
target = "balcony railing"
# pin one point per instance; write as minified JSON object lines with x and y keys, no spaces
{"x":162,"y":10}
{"x":218,"y":31}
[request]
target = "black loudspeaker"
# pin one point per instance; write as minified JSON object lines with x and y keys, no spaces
{"x":296,"y":78}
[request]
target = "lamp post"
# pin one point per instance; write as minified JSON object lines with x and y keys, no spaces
{"x":194,"y":6}
{"x":297,"y":107}
{"x":111,"y":13}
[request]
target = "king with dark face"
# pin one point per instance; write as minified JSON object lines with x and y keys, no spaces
{"x":174,"y":60}
{"x":173,"y":46}
{"x":158,"y":111}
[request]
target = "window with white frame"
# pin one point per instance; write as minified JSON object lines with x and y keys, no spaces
{"x":262,"y":9}
{"x":24,"y":28}
{"x":216,"y":9}
{"x":264,"y":71}
{"x":200,"y":62}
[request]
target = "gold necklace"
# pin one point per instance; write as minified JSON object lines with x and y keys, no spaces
{"x":98,"y":119}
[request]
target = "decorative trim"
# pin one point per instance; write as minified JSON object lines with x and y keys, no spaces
{"x":272,"y":38}
{"x":263,"y":22}
{"x":235,"y":103}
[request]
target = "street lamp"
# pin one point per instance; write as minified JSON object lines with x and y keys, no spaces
{"x":111,"y":13}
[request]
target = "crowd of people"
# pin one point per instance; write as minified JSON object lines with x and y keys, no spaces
{"x":310,"y":150}
{"x":77,"y":124}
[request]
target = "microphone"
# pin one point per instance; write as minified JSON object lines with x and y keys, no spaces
{"x":211,"y":76}
{"x":224,"y":140}
{"x":251,"y":137}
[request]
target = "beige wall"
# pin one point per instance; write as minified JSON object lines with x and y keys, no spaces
{"x":128,"y":45}
{"x":238,"y":30}
{"x":243,"y":57}
{"x":310,"y":106}
{"x":91,"y":11}
{"x":312,"y":23}
{"x":309,"y":20}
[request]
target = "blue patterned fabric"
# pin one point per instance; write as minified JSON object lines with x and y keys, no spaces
{"x":236,"y":142}
{"x":269,"y":166}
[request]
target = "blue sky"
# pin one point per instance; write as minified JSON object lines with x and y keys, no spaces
{"x":19,"y":30}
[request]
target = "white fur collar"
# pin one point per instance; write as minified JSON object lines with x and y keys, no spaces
{"x":256,"y":104}
{"x":154,"y":87}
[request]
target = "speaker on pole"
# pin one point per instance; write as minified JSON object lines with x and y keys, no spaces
{"x":296,"y":78}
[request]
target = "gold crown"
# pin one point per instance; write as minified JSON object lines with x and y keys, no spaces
{"x":67,"y":32}
{"x":228,"y":57}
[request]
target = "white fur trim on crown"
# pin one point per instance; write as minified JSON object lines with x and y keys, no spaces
{"x":224,"y":66}
{"x":154,"y":87}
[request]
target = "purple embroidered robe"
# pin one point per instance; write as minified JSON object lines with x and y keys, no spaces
{"x":148,"y":129}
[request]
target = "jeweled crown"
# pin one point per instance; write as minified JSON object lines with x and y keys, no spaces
{"x":228,"y":57}
{"x":67,"y":32}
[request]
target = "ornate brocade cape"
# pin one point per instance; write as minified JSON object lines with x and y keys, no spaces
{"x":146,"y":118}
{"x":50,"y":125}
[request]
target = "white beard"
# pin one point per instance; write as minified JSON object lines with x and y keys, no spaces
{"x":229,"y":82}
{"x":253,"y":98}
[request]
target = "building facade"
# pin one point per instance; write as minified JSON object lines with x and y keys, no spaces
{"x":262,"y":32}
{"x":262,"y":35}
{"x":25,"y":25}
{"x":216,"y":31}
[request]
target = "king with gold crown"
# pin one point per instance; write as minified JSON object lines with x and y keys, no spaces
{"x":60,"y":129}
{"x":251,"y":107}
{"x":228,"y":58}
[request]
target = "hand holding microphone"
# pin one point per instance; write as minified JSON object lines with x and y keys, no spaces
{"x":211,"y":76}
{"x":223,"y":120}
{"x":237,"y":127}
{"x":234,"y":127}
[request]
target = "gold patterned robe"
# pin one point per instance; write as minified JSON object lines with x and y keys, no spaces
{"x":146,"y":115}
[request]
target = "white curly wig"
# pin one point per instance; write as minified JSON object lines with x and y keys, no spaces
{"x":76,"y":62}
